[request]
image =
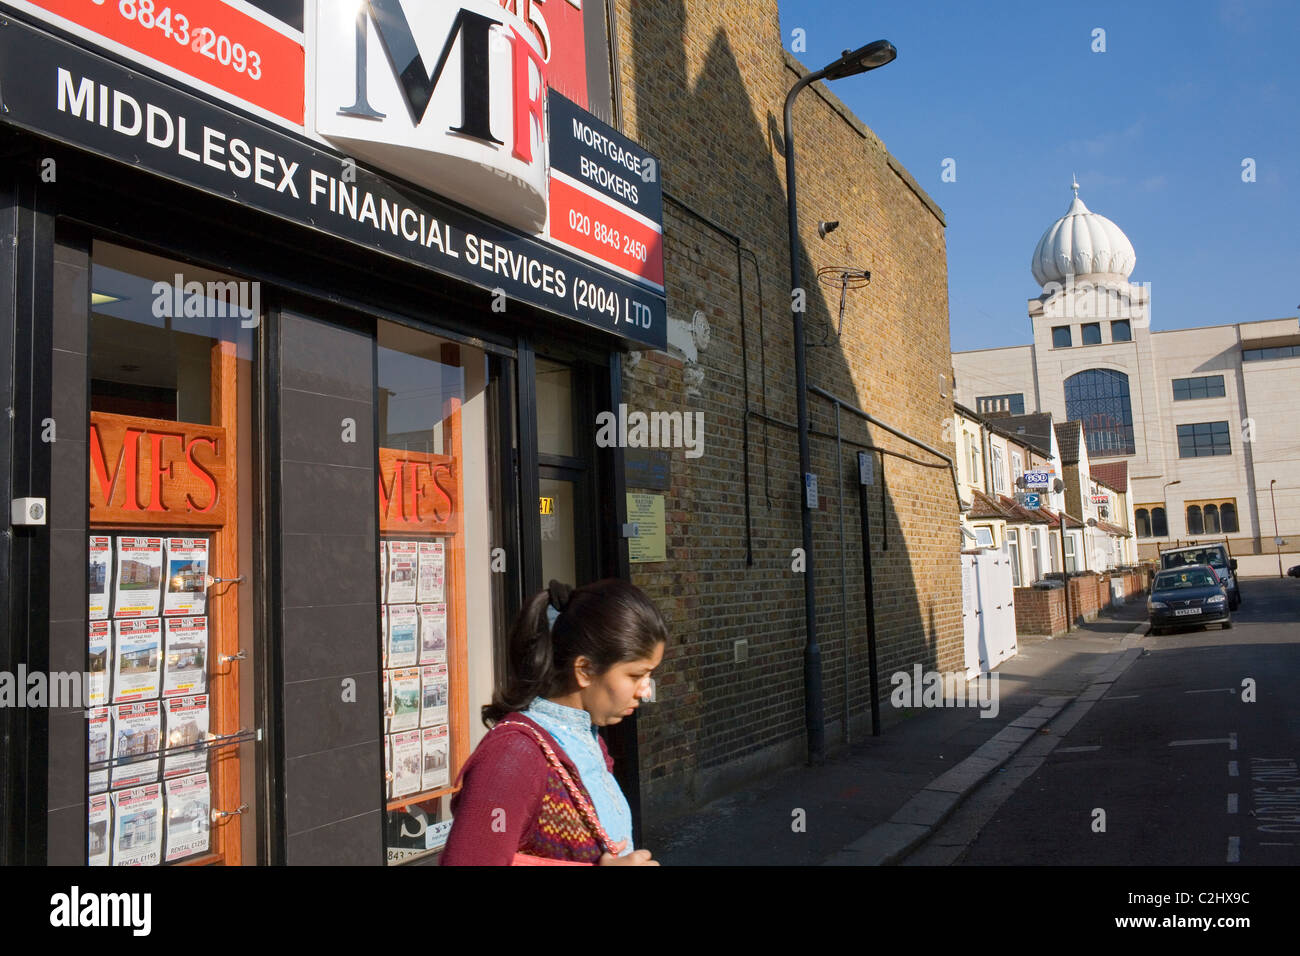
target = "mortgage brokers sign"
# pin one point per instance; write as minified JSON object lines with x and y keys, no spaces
{"x":449,"y":96}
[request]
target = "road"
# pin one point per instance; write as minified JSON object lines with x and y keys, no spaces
{"x":1192,"y":758}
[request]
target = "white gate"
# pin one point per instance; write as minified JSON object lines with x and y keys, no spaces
{"x":988,"y":610}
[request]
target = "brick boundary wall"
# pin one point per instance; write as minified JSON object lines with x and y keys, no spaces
{"x":1041,"y":611}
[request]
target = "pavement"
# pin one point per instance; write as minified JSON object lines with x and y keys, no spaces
{"x":876,"y":800}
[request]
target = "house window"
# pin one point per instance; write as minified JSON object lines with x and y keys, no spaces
{"x":1033,"y":553}
{"x":1055,"y":562}
{"x":1061,"y":337}
{"x":1099,"y":398}
{"x":1259,"y":355}
{"x":1011,"y":402}
{"x":1069,"y":554}
{"x":1204,"y":386}
{"x":999,"y":479}
{"x":1202,"y":439}
{"x":984,"y":537}
{"x":1091,"y":333}
{"x":1121,"y":331}
{"x":973,"y":461}
{"x":1017,"y":466}
{"x":1013,"y":549}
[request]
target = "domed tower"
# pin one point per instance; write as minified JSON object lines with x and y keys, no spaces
{"x":1083,"y":245}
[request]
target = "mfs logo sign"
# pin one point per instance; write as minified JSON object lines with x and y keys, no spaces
{"x":448,"y":95}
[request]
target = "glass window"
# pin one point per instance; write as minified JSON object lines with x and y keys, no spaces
{"x":1013,"y":549}
{"x":436,"y":519}
{"x":1061,"y":337}
{"x":1013,"y":402}
{"x":1195,"y":520}
{"x":1069,"y":553}
{"x":1051,"y":547}
{"x":1257,"y":355}
{"x":984,"y":536}
{"x":1121,"y":331}
{"x":1204,"y":439}
{"x":1228,"y":517}
{"x":1099,"y":398}
{"x":1205,"y":386}
{"x":999,"y":479}
{"x":1091,"y":333}
{"x":554,"y":410}
{"x":1017,"y":466}
{"x":1033,"y":553}
{"x":1211,"y":519}
{"x":1142,"y":519}
{"x":1159,"y":523}
{"x":171,"y":508}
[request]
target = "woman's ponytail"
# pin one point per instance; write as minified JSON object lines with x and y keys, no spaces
{"x":606,"y":621}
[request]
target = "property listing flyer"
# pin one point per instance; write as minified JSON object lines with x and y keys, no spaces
{"x":435,"y":771}
{"x":139,"y":577}
{"x":189,"y":815}
{"x":433,"y":699}
{"x":101,"y":646}
{"x":101,"y":575}
{"x":98,"y":730}
{"x":98,"y":823}
{"x":403,"y":556}
{"x":433,"y":633}
{"x":137,"y":826}
{"x":383,"y":572}
{"x":137,"y":729}
{"x":383,"y":633}
{"x":137,"y":663}
{"x":406,"y":763}
{"x":186,"y":724}
{"x":406,"y":699}
{"x":185,"y":663}
{"x":388,"y":702}
{"x":403,"y":643}
{"x":187,"y":577}
{"x":432,"y":567}
{"x":388,"y":765}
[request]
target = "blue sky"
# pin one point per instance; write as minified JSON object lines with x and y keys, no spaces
{"x":1156,"y":128}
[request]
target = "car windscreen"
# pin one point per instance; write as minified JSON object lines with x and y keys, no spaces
{"x":1211,"y":556}
{"x":1172,"y":580}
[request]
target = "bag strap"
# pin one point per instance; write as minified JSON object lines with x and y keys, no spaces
{"x":585,"y":809}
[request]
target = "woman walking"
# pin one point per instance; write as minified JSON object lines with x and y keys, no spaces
{"x":539,"y":788}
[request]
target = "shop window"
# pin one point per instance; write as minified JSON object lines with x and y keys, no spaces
{"x":1204,"y":439}
{"x":1121,"y":331}
{"x":435,"y":561}
{"x":1195,"y":520}
{"x":1091,"y":333}
{"x":171,"y":724}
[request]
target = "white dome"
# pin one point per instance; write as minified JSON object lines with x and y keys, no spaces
{"x":1082,"y":243}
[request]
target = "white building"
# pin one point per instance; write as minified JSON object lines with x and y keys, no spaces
{"x":1207,"y":419}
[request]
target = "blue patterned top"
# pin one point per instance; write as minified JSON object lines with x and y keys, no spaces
{"x":573,"y":730}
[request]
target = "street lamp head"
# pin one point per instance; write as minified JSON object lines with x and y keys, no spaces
{"x":861,"y":60}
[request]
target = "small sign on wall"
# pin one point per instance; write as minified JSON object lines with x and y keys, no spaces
{"x":650,"y":543}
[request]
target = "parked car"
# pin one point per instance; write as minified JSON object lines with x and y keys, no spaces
{"x":1189,"y":595}
{"x":1294,"y":572}
{"x":1217,"y":557}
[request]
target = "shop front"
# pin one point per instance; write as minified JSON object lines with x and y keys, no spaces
{"x":302,"y":370}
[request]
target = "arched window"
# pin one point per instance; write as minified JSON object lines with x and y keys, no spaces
{"x":1195,"y":524}
{"x":1159,"y":524}
{"x":1099,"y":398}
{"x":1228,"y":517}
{"x":1143,"y":521}
{"x":1211,"y":519}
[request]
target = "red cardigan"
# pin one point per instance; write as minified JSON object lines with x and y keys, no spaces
{"x":511,"y":800}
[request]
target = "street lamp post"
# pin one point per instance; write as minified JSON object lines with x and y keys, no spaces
{"x":866,"y":58}
{"x":1277,"y":538}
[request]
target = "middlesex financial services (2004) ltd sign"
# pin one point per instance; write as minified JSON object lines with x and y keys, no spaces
{"x":138,"y":121}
